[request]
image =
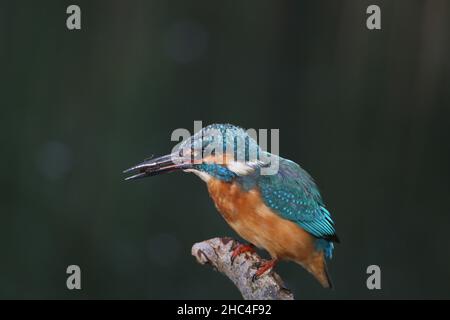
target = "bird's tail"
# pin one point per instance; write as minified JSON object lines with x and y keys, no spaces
{"x":318,"y":268}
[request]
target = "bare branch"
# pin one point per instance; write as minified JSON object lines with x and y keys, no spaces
{"x":217,"y":252}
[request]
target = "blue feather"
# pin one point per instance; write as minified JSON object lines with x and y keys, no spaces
{"x":293,"y":194}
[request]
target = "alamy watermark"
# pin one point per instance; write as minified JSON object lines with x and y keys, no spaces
{"x":374,"y":280}
{"x":373,"y":21}
{"x":73,"y":21}
{"x":74,"y":279}
{"x":228,"y":146}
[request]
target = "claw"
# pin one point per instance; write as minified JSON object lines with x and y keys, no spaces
{"x":240,"y":249}
{"x":263,"y":268}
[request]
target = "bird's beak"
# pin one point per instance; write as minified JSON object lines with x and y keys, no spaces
{"x":153,"y":167}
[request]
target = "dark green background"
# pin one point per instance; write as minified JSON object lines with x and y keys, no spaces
{"x":365,"y":112}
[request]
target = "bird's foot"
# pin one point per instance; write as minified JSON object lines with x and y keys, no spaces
{"x":240,"y":249}
{"x":263,"y":268}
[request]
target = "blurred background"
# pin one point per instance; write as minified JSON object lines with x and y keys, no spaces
{"x":365,"y":112}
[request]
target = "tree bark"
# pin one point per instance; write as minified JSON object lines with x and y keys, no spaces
{"x":217,"y":253}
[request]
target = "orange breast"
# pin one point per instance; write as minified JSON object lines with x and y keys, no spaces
{"x":247,"y":214}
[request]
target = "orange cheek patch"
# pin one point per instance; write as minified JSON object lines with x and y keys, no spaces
{"x":222,"y":159}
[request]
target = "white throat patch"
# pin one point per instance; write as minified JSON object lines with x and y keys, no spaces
{"x":240,"y":168}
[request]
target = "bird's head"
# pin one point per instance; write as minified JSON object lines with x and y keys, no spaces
{"x":220,"y":151}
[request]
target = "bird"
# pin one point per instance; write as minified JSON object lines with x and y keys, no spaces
{"x":281,"y":212}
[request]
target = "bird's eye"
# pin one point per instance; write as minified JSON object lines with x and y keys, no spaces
{"x":208,"y":152}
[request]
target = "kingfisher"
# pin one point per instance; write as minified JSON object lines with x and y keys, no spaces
{"x":281,"y":211}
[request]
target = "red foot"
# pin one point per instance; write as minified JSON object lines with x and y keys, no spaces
{"x":240,"y":249}
{"x":268,"y":265}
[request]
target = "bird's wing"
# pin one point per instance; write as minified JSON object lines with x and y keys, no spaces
{"x":292,"y":194}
